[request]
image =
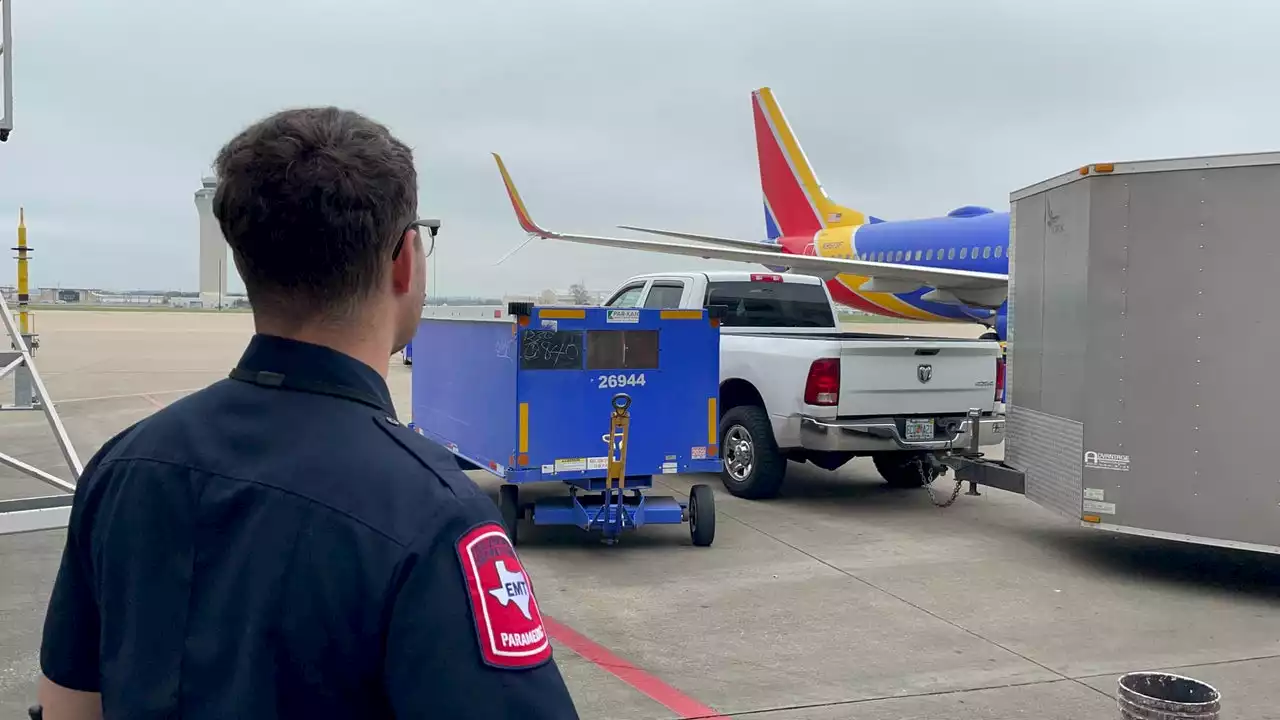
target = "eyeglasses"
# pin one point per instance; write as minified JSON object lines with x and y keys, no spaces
{"x":428,"y":240}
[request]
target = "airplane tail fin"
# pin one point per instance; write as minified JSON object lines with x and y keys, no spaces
{"x":794,"y":201}
{"x":517,"y":204}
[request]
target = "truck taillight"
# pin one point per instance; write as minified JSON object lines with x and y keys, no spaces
{"x":823,"y":384}
{"x":765,"y":277}
{"x":1000,"y":379}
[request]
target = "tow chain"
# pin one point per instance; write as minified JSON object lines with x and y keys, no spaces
{"x":927,"y":484}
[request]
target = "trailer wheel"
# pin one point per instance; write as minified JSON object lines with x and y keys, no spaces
{"x":903,"y":469}
{"x":702,"y":515}
{"x":753,"y":467}
{"x":509,"y":506}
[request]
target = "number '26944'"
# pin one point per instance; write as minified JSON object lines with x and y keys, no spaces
{"x":620,"y":380}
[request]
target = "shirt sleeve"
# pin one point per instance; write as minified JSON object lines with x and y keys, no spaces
{"x":466,"y":636}
{"x":69,"y":648}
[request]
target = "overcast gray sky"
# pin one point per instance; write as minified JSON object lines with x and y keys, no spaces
{"x":607,"y":112}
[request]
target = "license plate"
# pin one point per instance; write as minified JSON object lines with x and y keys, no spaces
{"x":919,"y":429}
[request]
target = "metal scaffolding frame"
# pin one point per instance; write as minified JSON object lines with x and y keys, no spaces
{"x":30,"y":394}
{"x":6,"y":68}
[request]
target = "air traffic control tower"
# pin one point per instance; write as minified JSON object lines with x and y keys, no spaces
{"x":215,"y":264}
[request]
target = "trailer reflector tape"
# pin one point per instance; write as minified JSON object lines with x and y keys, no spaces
{"x":524,"y":428}
{"x":562,"y":314}
{"x":713,"y":420}
{"x":680,"y":314}
{"x":1091,"y":518}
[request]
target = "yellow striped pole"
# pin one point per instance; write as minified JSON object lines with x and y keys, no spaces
{"x":23,"y":289}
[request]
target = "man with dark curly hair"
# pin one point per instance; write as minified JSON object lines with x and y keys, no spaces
{"x":279,"y":544}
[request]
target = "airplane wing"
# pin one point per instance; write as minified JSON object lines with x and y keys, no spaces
{"x":713,"y":239}
{"x":974,"y":288}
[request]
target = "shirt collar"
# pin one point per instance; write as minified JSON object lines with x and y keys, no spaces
{"x":310,"y":363}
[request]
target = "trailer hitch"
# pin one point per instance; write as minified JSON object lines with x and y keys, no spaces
{"x":619,"y":426}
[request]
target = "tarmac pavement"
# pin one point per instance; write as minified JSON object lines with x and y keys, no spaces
{"x":842,"y":598}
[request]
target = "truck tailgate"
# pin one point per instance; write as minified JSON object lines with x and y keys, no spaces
{"x":916,"y":376}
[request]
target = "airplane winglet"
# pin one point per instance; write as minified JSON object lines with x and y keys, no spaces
{"x":522,"y":213}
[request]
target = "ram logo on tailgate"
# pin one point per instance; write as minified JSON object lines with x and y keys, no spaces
{"x":924,"y":373}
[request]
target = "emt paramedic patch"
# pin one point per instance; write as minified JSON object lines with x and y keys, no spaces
{"x":508,"y":623}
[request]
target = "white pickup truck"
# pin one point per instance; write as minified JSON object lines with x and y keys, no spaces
{"x":794,"y":387}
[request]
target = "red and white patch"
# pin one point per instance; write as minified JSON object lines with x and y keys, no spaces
{"x":508,"y":624}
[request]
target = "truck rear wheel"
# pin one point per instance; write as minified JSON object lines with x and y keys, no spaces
{"x":904,"y":469}
{"x":753,"y":465}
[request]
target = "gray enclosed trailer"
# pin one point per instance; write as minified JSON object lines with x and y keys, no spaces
{"x":1142,"y":349}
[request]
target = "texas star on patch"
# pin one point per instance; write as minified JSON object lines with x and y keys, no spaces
{"x":513,"y":588}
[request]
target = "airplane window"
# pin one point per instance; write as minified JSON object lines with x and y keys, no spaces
{"x":951,"y":253}
{"x":929,"y":255}
{"x":964,"y":253}
{"x":880,"y":256}
{"x":919,"y":253}
{"x":999,"y":250}
{"x":898,"y":256}
{"x":986,"y":252}
{"x":974,"y":253}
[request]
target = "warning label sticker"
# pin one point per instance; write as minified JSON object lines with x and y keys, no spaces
{"x":1106,"y":461}
{"x":1102,"y":508}
{"x":571,"y":465}
{"x":597,"y":463}
{"x":623,"y":316}
{"x":1095,"y":494}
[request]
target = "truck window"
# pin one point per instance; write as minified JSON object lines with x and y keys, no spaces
{"x":627,"y":297}
{"x":771,"y":304}
{"x":664,"y":295}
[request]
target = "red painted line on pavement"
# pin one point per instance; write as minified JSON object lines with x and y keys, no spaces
{"x":600,"y":656}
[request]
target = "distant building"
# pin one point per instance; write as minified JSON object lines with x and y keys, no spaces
{"x":215,"y":265}
{"x":557,"y":297}
{"x":51,"y":296}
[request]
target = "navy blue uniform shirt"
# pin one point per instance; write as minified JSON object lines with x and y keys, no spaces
{"x":269,"y":548}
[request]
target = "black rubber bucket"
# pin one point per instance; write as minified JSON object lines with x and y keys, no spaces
{"x":1161,"y":696}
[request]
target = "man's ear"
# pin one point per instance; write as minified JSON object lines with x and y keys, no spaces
{"x":402,"y":266}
